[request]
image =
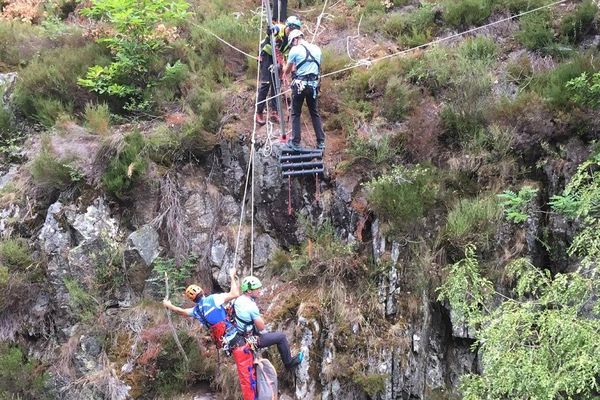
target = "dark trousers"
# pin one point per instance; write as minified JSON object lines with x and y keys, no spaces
{"x":311,"y":102}
{"x":278,"y":338}
{"x":266,"y":83}
{"x":280,"y":10}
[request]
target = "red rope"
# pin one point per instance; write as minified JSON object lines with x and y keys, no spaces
{"x":289,"y":195}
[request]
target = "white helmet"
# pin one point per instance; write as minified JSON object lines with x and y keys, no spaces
{"x":294,"y":34}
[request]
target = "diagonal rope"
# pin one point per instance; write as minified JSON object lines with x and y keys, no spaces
{"x":368,"y":63}
{"x":226,"y":42}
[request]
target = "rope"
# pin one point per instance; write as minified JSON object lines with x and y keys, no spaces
{"x":250,"y":163}
{"x":368,"y":63}
{"x":226,"y":42}
{"x":173,"y":330}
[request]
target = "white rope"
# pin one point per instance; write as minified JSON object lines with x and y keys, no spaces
{"x":227,"y":43}
{"x":367,"y":63}
{"x":250,"y":165}
{"x":319,"y":22}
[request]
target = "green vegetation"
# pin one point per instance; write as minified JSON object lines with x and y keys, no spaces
{"x":15,"y":254}
{"x":379,"y":152}
{"x":536,"y":30}
{"x":464,"y":13}
{"x":126,"y":167}
{"x":50,"y":172}
{"x":516,"y":204}
{"x":81,"y":301}
{"x":403,"y":195}
{"x":581,"y":199}
{"x":20,"y":377}
{"x":585,"y":90}
{"x":178,"y":274}
{"x":396,"y":100}
{"x":141,"y":34}
{"x":97,"y":118}
{"x":540,"y":343}
{"x":575,"y":25}
{"x":47,"y":87}
{"x":412,"y":29}
{"x":472,"y":220}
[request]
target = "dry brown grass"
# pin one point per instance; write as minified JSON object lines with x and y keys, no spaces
{"x":30,"y":11}
{"x":171,"y":217}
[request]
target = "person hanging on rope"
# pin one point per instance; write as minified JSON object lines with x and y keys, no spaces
{"x":210,"y":310}
{"x":249,"y":322}
{"x":304,"y":65}
{"x":266,"y":75}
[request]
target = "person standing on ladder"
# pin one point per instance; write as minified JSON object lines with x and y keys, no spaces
{"x":304,"y":63}
{"x":279,"y":11}
{"x":266,"y":66}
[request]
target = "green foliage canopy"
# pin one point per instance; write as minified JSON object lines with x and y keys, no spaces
{"x":135,"y":43}
{"x":544,"y":343}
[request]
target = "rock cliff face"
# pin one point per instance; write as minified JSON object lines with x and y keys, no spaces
{"x":83,"y":238}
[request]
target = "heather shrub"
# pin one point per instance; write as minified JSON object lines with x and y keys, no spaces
{"x":464,"y":13}
{"x":575,"y":25}
{"x":50,"y":82}
{"x":97,"y":118}
{"x":126,"y":167}
{"x":536,"y":31}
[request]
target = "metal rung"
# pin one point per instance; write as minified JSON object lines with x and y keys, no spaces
{"x":301,"y":151}
{"x":318,"y":164}
{"x":308,"y":156}
{"x":303,"y":172}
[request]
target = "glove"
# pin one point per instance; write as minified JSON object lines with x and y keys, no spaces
{"x":273,"y":30}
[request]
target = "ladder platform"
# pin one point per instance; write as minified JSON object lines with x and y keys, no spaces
{"x":298,"y":162}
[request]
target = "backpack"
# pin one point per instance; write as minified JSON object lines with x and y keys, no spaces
{"x":266,"y":380}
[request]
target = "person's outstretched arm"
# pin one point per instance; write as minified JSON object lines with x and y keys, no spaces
{"x":235,"y":287}
{"x":184,"y":312}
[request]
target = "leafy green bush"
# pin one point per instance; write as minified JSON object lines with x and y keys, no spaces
{"x":403,"y":195}
{"x":5,"y":121}
{"x":48,"y":85}
{"x":15,"y":254}
{"x":50,"y":172}
{"x":516,"y":204}
{"x":97,"y":118}
{"x":536,"y":30}
{"x":527,"y":342}
{"x":472,"y":220}
{"x":126,"y":167}
{"x":463,"y":13}
{"x":139,"y":38}
{"x":575,"y":25}
{"x":20,"y":378}
{"x":585,"y":90}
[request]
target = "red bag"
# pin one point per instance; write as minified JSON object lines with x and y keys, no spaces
{"x":217,"y":331}
{"x":244,"y":360}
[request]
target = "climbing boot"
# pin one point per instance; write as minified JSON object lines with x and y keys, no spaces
{"x":274,"y":117}
{"x":260,"y":119}
{"x":295,"y":361}
{"x":321,"y":145}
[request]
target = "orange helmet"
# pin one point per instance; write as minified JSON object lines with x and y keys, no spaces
{"x":192,"y":292}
